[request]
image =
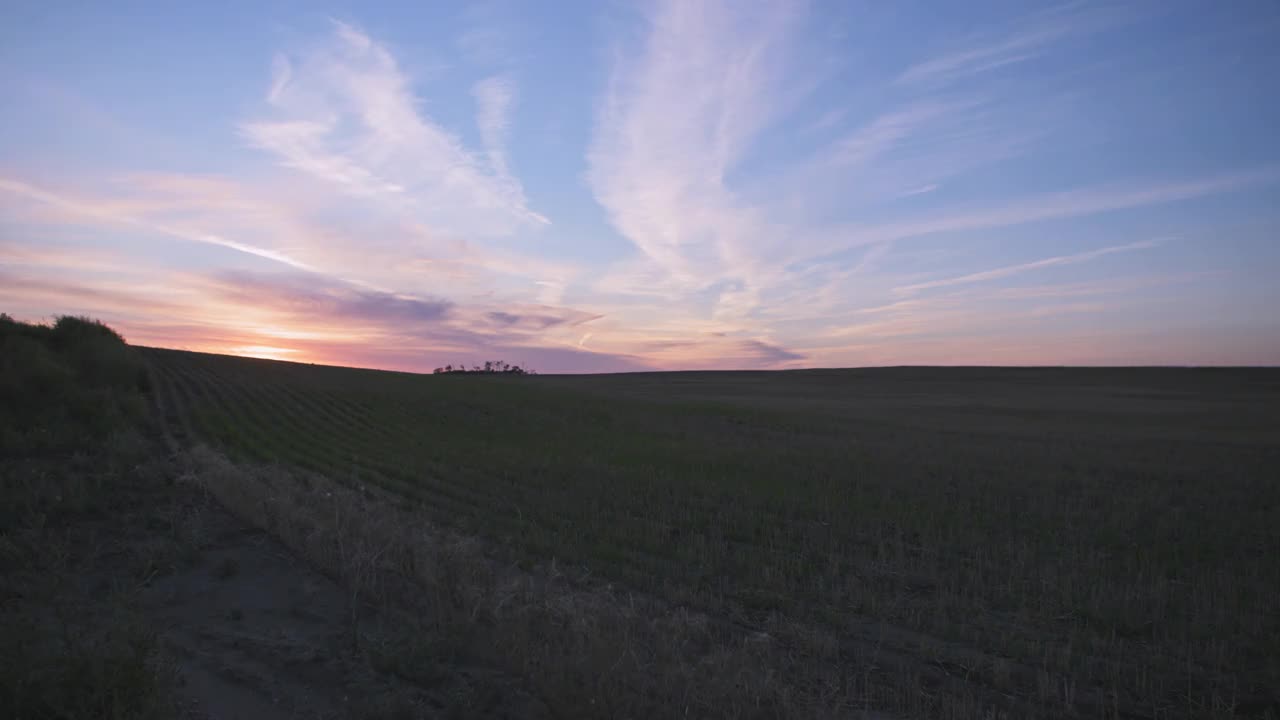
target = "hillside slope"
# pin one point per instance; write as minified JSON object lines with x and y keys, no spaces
{"x":1056,"y":541}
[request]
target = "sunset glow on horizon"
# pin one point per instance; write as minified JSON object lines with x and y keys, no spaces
{"x":590,"y":187}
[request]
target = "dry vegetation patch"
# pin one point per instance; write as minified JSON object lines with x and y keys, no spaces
{"x":590,"y":649}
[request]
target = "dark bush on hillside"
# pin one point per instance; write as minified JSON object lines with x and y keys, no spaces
{"x":70,"y":457}
{"x":63,"y":384}
{"x":490,"y":367}
{"x":99,"y":353}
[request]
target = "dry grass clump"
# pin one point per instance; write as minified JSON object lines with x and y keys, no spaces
{"x":588,"y":649}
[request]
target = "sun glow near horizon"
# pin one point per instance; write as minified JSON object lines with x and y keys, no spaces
{"x":264,"y":352}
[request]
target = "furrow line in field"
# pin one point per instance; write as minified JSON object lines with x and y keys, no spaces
{"x":257,"y":410}
{"x":313,"y":383}
{"x":396,"y":444}
{"x":185,"y":398}
{"x":307,"y":413}
{"x":363,"y":434}
{"x":220,"y":422}
{"x":327,"y":453}
{"x":172,"y":418}
{"x":327,"y":440}
{"x":347,"y":409}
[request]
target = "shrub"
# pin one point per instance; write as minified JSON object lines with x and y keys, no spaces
{"x":65,"y":384}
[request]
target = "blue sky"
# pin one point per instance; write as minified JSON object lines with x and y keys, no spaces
{"x":616,"y":186}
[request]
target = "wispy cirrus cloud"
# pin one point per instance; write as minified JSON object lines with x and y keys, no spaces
{"x":15,"y":254}
{"x":489,"y":36}
{"x":1046,"y":206}
{"x":675,"y":122}
{"x":540,"y":318}
{"x":1007,"y":51}
{"x":301,"y":229}
{"x":345,"y":113}
{"x":887,"y":131}
{"x":1028,"y":38}
{"x":921,"y":190}
{"x":712,"y":351}
{"x":768,"y":184}
{"x":22,"y":291}
{"x":1096,"y":288}
{"x":1009,"y":270}
{"x":671,"y":130}
{"x":765,"y":256}
{"x":319,"y":295}
{"x":494,"y":97}
{"x":113,"y":212}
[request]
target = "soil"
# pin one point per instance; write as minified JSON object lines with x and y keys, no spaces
{"x":258,"y":634}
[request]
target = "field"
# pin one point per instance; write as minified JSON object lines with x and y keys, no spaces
{"x":188,"y":535}
{"x":918,"y":542}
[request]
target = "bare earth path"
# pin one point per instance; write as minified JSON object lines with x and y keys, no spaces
{"x":256,"y":633}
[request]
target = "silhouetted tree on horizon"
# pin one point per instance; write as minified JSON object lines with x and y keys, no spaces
{"x":490,"y":367}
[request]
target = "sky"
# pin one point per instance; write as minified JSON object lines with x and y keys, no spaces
{"x":616,"y":186}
